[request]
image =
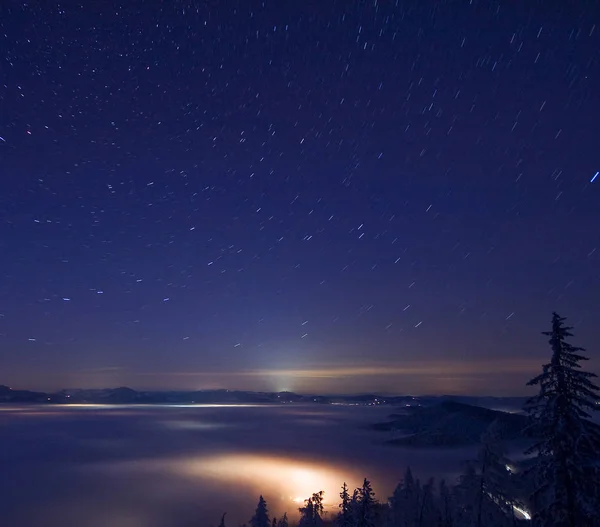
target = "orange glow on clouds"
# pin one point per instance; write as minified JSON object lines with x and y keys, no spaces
{"x":285,"y":482}
{"x":289,"y":480}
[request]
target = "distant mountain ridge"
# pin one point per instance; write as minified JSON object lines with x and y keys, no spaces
{"x":8,"y":395}
{"x":125,"y":395}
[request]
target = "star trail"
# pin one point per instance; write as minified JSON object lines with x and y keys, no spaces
{"x":316,"y":196}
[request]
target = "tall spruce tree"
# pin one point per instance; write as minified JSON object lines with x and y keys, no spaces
{"x":261,"y":516}
{"x":404,"y":504}
{"x":567,"y":443}
{"x":395,"y":509}
{"x":344,"y":518}
{"x":366,"y":506}
{"x":429,"y":514}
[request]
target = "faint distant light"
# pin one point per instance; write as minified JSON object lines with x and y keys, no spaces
{"x":67,"y":299}
{"x":31,"y":340}
{"x":595,"y":176}
{"x":99,"y":292}
{"x":166,"y":299}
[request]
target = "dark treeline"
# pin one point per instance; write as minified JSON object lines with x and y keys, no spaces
{"x":556,"y":485}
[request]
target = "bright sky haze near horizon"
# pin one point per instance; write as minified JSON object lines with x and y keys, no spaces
{"x":329,"y":197}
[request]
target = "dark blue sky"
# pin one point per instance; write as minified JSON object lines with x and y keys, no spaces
{"x":316,"y":196}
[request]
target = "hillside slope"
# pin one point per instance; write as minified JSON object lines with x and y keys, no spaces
{"x":449,"y":424}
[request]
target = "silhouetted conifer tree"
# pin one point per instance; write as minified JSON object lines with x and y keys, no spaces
{"x":395,"y":512}
{"x":222,"y":524}
{"x":311,"y":515}
{"x":261,"y":516}
{"x":428,"y":512}
{"x":567,"y":446}
{"x":283,"y":521}
{"x":344,"y":518}
{"x":467,"y":494}
{"x":404,"y":504}
{"x":365,"y":508}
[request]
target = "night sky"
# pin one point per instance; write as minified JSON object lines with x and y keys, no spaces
{"x":325,"y":196}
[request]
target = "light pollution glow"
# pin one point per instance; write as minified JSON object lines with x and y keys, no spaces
{"x":432,"y":377}
{"x":468,"y":367}
{"x":285,"y":482}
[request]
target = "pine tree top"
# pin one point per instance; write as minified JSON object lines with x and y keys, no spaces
{"x":567,"y":443}
{"x":562,"y":379}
